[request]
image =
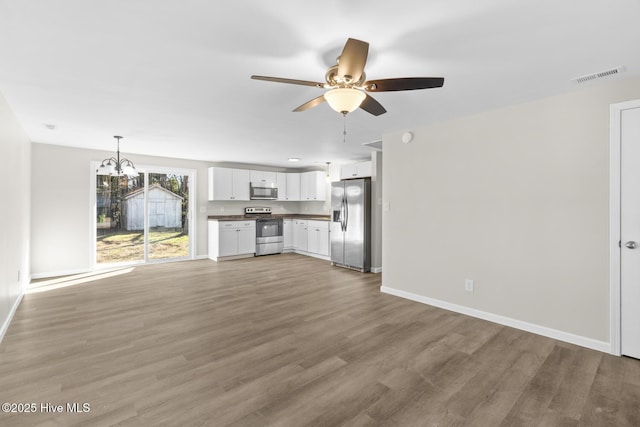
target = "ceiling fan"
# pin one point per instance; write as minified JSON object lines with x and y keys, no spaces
{"x":347,"y":83}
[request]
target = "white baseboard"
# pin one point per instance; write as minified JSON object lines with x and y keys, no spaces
{"x":59,"y":273}
{"x":602,"y":346}
{"x":376,"y":269}
{"x":231,"y":257}
{"x":7,"y":321}
{"x":311,"y":254}
{"x":106,"y":267}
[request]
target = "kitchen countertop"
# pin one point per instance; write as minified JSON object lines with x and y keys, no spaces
{"x":287,"y":216}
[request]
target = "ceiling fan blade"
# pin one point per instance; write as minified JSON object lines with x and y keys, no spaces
{"x":407,"y":83}
{"x":372,"y":106}
{"x":290,"y":81}
{"x":310,"y":104}
{"x":353,"y":60}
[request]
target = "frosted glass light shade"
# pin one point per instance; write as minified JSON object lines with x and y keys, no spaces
{"x":344,"y":99}
{"x":130,"y":171}
{"x":106,"y":169}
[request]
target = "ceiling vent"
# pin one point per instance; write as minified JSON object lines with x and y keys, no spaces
{"x":598,"y":75}
{"x":376,"y":145}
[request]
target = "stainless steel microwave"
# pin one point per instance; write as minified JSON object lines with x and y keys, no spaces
{"x":263,"y":191}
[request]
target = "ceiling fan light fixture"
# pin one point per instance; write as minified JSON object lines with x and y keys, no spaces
{"x":344,"y":99}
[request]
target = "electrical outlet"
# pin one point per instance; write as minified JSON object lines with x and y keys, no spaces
{"x":468,"y":285}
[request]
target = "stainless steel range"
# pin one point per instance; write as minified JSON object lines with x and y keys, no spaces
{"x":269,"y":237}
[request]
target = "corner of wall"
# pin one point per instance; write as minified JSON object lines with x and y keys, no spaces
{"x":15,"y":148}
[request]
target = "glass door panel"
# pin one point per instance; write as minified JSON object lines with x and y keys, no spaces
{"x":119,"y":230}
{"x":168,"y":216}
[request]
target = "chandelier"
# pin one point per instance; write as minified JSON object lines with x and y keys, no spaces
{"x":114,"y":166}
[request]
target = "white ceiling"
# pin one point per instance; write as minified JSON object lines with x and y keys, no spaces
{"x":173,"y":77}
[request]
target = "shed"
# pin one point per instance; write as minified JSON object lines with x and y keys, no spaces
{"x":165,"y":209}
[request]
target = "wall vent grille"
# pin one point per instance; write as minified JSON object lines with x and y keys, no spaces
{"x":598,"y":75}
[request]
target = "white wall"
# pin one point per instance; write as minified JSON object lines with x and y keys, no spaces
{"x":62,"y":216}
{"x":516,"y":199}
{"x":14,"y":213}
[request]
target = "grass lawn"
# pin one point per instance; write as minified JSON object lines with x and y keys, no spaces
{"x":129,"y":246}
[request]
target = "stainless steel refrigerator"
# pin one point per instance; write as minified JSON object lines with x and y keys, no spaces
{"x":351,"y":224}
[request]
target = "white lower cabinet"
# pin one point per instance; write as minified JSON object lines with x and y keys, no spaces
{"x":287,"y":234}
{"x":307,"y":237}
{"x":235,"y":239}
{"x":318,"y":237}
{"x":231,"y":239}
{"x":300,"y":235}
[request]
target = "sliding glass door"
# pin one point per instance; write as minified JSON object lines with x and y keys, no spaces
{"x":117,"y":241}
{"x":168,"y":215}
{"x":141,"y":219}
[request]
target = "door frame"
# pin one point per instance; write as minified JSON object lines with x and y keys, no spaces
{"x":192,"y":173}
{"x":615,"y":274}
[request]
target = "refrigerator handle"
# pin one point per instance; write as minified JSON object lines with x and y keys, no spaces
{"x":343,"y":212}
{"x":346,"y":214}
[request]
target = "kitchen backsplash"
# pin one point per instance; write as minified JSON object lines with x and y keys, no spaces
{"x":277,"y":207}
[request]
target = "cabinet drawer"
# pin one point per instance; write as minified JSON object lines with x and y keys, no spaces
{"x":321,"y":225}
{"x":237,"y":224}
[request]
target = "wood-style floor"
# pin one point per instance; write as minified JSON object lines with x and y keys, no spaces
{"x":289,"y":340}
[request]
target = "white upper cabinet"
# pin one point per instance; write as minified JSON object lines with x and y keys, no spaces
{"x":293,"y":186}
{"x":263,"y":177}
{"x":233,"y":184}
{"x":356,"y":170}
{"x":313,"y":185}
{"x":281,"y":181}
{"x":228,"y":184}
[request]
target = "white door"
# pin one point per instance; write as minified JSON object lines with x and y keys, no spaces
{"x":630,"y":232}
{"x":228,"y":241}
{"x":154,"y":230}
{"x":247,"y":240}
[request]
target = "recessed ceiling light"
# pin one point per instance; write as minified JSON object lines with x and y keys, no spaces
{"x":49,"y":126}
{"x":294,"y":159}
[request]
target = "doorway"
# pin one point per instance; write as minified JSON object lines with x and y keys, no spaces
{"x":625,"y":228}
{"x":145,"y":218}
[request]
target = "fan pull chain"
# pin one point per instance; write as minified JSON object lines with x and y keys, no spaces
{"x":344,"y":127}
